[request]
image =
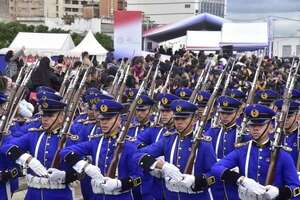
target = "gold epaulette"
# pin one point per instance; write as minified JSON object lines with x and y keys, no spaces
{"x":239,"y":145}
{"x":33,"y":119}
{"x":169,"y":133}
{"x":40,"y":129}
{"x":206,"y":138}
{"x":89,"y":122}
{"x":129,"y":138}
{"x":95,"y":136}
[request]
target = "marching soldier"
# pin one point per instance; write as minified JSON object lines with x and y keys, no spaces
{"x":266,"y":97}
{"x":152,"y":187}
{"x":291,"y":137}
{"x":201,"y":102}
{"x":253,"y":159}
{"x":176,"y":147}
{"x":224,"y":136}
{"x":36,"y":150}
{"x":183,"y":93}
{"x":102,"y":150}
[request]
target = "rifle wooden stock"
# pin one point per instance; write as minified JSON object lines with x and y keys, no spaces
{"x":111,"y":172}
{"x":280,"y":125}
{"x":204,"y":118}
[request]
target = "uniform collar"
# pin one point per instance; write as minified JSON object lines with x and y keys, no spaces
{"x":263,"y":145}
{"x":229,"y":127}
{"x":186,"y":135}
{"x":146,"y":124}
{"x":111,"y":135}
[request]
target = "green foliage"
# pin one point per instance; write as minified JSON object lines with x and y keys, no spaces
{"x":76,"y":38}
{"x":104,"y":40}
{"x":8,"y":31}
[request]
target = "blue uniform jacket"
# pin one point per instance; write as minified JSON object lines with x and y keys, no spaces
{"x":42,"y":146}
{"x":126,"y":167}
{"x":259,"y":160}
{"x":182,"y":148}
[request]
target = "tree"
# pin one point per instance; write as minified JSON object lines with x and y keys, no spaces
{"x":76,"y":38}
{"x":104,"y":40}
{"x":41,"y":29}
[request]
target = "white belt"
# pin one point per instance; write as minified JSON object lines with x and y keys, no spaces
{"x":42,"y":183}
{"x":97,"y":189}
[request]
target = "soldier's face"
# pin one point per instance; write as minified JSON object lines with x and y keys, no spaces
{"x":227,"y":118}
{"x":110,"y":124}
{"x":51,"y":121}
{"x":166,"y":116}
{"x":257,"y":130}
{"x":290,"y":120}
{"x":142,"y":115}
{"x":183,"y":123}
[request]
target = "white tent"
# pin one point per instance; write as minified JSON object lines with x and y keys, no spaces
{"x":245,"y":35}
{"x":43,"y":43}
{"x":203,"y":40}
{"x":89,"y":44}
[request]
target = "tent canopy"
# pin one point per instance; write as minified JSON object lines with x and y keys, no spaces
{"x":89,"y":44}
{"x":47,"y":43}
{"x":203,"y":21}
{"x":203,"y":40}
{"x":242,"y":37}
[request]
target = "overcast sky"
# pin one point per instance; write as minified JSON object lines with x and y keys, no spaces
{"x":262,"y":6}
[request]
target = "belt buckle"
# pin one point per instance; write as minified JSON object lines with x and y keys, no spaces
{"x":14,"y":173}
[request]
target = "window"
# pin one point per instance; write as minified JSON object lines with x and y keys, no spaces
{"x":67,"y":1}
{"x":75,"y":2}
{"x":56,"y":8}
{"x":187,"y":5}
{"x":286,"y":50}
{"x":83,"y":3}
{"x":75,"y":9}
{"x":68,"y":9}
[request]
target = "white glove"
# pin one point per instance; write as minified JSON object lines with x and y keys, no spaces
{"x":172,"y":172}
{"x":110,"y":185}
{"x":272,"y":192}
{"x":187,"y":181}
{"x":97,"y":186}
{"x":245,"y":194}
{"x":156,"y":173}
{"x":33,"y":164}
{"x":91,"y":170}
{"x":57,"y":176}
{"x":252,"y":186}
{"x":298,"y":175}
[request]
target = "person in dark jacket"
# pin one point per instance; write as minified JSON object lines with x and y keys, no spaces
{"x":44,"y":76}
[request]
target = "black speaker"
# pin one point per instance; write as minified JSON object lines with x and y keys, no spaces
{"x":227,"y":51}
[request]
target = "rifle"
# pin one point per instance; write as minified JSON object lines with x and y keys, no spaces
{"x":66,"y":77}
{"x":204,"y":118}
{"x":164,"y":89}
{"x":200,"y":81}
{"x":117,"y":76}
{"x":15,"y":96}
{"x":111,"y":172}
{"x":215,"y":119}
{"x":240,"y":131}
{"x":204,"y":86}
{"x":68,"y":119}
{"x":152,"y":87}
{"x":123,"y":85}
{"x":280,"y":125}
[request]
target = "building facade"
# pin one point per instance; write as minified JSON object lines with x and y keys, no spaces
{"x":170,"y":11}
{"x":108,"y":7}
